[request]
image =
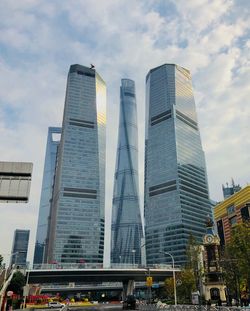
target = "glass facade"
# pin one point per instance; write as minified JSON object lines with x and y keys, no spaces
{"x":76,"y":228}
{"x":126,"y":226}
{"x":53,"y":140}
{"x":176,"y":191}
{"x":20,"y":247}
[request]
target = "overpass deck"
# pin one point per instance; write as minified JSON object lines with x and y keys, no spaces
{"x":46,"y":276}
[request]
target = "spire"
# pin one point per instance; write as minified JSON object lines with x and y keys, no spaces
{"x":209,"y":225}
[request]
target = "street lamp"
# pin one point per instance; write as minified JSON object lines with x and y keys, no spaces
{"x":149,"y":292}
{"x":11,"y":256}
{"x":26,"y":289}
{"x":175,"y":297}
{"x":149,"y":289}
{"x":5,"y":282}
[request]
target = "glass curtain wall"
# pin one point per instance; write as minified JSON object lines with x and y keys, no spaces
{"x":53,"y":140}
{"x":76,"y":230}
{"x":126,"y":218}
{"x":176,"y":191}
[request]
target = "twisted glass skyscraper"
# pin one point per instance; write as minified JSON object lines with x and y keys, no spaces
{"x":176,"y":191}
{"x":126,"y":218}
{"x":76,"y":229}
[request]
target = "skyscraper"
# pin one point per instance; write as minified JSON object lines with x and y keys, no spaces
{"x":176,"y":191}
{"x":126,"y":227}
{"x":20,"y":247}
{"x":76,"y":228}
{"x":53,"y":141}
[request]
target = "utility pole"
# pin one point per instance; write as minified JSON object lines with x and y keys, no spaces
{"x":149,"y":288}
{"x":26,"y":289}
{"x":174,"y":281}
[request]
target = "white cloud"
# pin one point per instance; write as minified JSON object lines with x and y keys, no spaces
{"x":202,"y":13}
{"x":222,"y":36}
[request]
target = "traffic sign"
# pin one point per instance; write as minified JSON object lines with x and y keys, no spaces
{"x":149,"y":281}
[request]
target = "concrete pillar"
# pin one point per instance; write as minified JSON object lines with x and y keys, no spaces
{"x":128,"y":288}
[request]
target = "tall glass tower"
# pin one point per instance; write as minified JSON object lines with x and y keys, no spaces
{"x":76,"y":228}
{"x":126,"y":229}
{"x":176,"y":190}
{"x":20,"y":247}
{"x":53,"y":140}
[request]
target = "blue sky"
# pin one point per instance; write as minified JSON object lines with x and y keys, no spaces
{"x":124,"y":39}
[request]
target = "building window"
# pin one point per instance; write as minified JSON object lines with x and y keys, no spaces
{"x":233,"y":220}
{"x":245,"y":212}
{"x":230,"y":209}
{"x":221,"y":231}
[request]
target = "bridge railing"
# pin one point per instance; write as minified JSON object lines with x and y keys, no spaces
{"x":97,"y":266}
{"x":74,"y":266}
{"x":132,"y":266}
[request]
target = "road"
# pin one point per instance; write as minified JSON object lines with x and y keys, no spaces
{"x":97,"y":307}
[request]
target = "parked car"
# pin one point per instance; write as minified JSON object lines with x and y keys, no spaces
{"x":55,"y":304}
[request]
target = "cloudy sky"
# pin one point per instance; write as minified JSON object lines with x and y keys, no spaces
{"x":124,"y":39}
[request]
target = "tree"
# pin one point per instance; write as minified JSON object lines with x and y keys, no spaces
{"x":238,"y":251}
{"x":169,"y":287}
{"x":184,"y":289}
{"x":187,"y":285}
{"x":231,"y":274}
{"x":190,"y":276}
{"x":17,"y":283}
{"x":194,"y":260}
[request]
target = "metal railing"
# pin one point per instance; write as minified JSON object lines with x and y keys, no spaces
{"x":74,"y":266}
{"x":98,"y":266}
{"x":165,"y":307}
{"x":84,"y":286}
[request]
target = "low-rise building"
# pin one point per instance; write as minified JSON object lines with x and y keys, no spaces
{"x":233,"y":210}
